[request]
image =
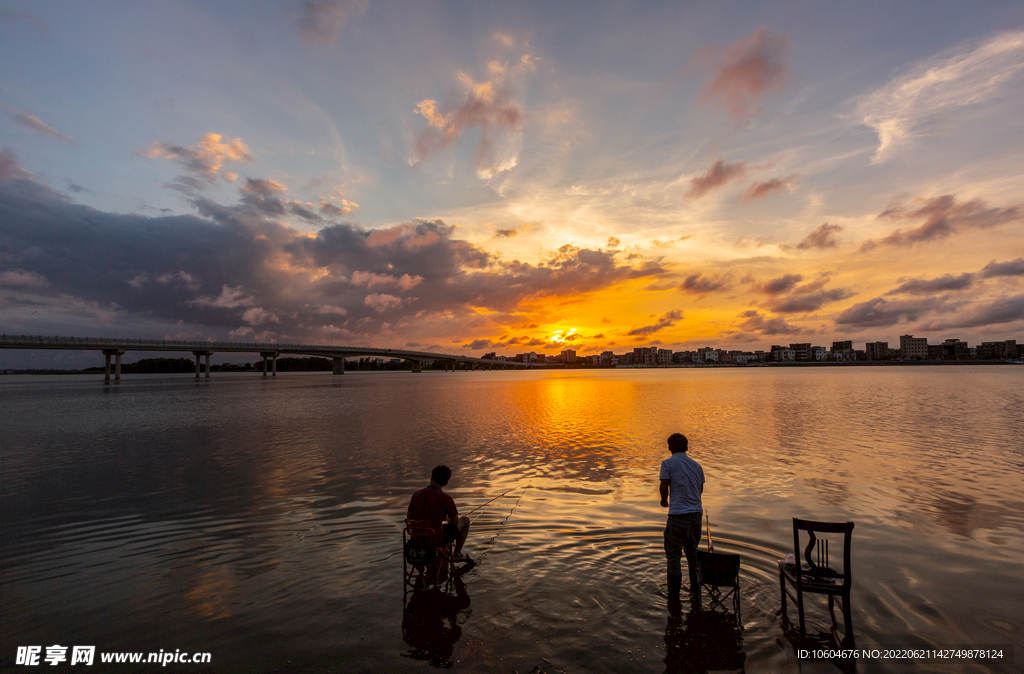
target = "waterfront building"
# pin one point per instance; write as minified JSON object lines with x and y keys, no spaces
{"x":819,"y":353}
{"x":706,"y":354}
{"x":876,"y":350}
{"x":802,"y":351}
{"x":783,"y":354}
{"x":1004,"y":349}
{"x":913,"y":347}
{"x":645,"y":356}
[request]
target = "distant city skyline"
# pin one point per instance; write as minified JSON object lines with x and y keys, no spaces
{"x":512,"y":177}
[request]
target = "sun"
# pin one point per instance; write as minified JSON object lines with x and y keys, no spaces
{"x":560,"y":336}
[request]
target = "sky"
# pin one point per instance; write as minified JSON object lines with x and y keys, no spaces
{"x":513,"y":176}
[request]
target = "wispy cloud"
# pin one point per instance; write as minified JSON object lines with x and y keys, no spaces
{"x":699,"y":284}
{"x":203,"y":161}
{"x":763,"y":189}
{"x":780,"y":285}
{"x":880,"y":312}
{"x":33,"y":123}
{"x":381,"y":302}
{"x":1012,"y":268}
{"x":229,"y":298}
{"x":667,"y":320}
{"x":12,"y":15}
{"x":489,"y":106}
{"x":19,"y":278}
{"x":755,"y":321}
{"x":822,"y":237}
{"x":995,"y":312}
{"x":962,"y":77}
{"x":370,"y":279}
{"x":941,"y":284}
{"x":744,"y":73}
{"x":715,"y":177}
{"x":320,"y":20}
{"x":942,"y":217}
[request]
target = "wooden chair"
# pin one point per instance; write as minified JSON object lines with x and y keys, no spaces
{"x":816,"y":575}
{"x":426,"y":555}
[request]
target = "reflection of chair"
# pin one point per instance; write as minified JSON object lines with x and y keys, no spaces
{"x":816,"y":575}
{"x":702,"y":641}
{"x":426,"y":554}
{"x":719,"y":570}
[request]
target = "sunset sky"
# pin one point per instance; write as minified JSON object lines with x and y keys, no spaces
{"x":510,"y":177}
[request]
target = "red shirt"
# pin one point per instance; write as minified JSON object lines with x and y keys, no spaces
{"x":430,"y":503}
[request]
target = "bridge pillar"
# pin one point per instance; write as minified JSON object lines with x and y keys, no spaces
{"x":339,"y":366}
{"x":117,"y":366}
{"x":198,"y":354}
{"x":417,"y":366}
{"x":272,"y":355}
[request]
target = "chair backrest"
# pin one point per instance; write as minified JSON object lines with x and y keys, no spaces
{"x":816,"y":552}
{"x":421,"y":541}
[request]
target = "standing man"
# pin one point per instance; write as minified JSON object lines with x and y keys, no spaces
{"x":683,"y":478}
{"x":433,"y":504}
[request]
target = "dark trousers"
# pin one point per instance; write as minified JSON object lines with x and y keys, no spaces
{"x":682,"y":534}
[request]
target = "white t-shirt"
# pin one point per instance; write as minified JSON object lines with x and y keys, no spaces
{"x":685,"y":477}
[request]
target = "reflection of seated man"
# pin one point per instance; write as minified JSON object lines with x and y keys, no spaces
{"x":431,"y":503}
{"x":430,"y":623}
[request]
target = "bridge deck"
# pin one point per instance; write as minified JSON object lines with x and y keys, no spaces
{"x":329,"y":351}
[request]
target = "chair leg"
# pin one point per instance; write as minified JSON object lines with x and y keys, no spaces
{"x":800,"y":608}
{"x":782,"y":587}
{"x":848,"y":621}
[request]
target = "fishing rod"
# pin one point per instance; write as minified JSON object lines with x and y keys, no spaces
{"x":470,"y":512}
{"x":707,"y":517}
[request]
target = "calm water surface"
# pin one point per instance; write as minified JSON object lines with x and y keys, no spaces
{"x":260,"y":519}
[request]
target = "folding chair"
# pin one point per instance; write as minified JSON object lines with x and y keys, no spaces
{"x":716,"y":570}
{"x":426,"y":557}
{"x":720,"y":570}
{"x":816,"y":575}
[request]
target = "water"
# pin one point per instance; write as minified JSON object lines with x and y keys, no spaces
{"x":260,"y":519}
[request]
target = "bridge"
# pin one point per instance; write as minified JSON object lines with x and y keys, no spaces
{"x":117,"y":347}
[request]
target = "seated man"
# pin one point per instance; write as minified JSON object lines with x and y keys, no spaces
{"x":431,"y":503}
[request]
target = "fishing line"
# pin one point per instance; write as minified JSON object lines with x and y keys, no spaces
{"x":496,"y":498}
{"x":486,"y":503}
{"x":502,"y":523}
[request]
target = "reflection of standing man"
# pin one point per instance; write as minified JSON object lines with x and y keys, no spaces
{"x":683,"y":478}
